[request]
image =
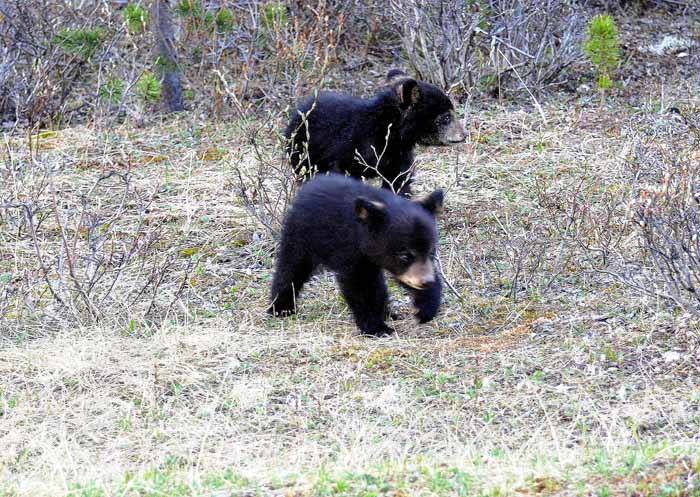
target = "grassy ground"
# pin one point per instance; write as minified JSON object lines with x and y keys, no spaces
{"x":544,"y":378}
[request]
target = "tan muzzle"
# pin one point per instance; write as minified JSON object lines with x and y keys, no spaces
{"x":419,"y":275}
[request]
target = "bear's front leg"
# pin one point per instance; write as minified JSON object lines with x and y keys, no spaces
{"x":427,"y":301}
{"x":292,"y":270}
{"x":365,"y":292}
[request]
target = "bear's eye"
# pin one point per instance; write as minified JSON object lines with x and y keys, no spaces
{"x":406,"y":257}
{"x":445,"y":118}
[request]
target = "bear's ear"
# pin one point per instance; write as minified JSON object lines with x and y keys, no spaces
{"x":433,"y":202}
{"x":369,"y":212}
{"x":408,"y":92}
{"x":395,"y":73}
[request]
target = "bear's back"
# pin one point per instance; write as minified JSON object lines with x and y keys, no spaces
{"x":324,"y":209}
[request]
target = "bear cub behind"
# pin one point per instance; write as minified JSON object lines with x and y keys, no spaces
{"x":358,"y":232}
{"x":327,"y":132}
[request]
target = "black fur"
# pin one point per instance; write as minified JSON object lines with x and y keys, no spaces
{"x":358,"y":231}
{"x":338,"y":127}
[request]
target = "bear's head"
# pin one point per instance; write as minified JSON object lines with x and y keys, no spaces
{"x":428,"y":116}
{"x":401,"y":238}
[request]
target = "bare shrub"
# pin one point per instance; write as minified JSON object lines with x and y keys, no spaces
{"x":91,"y":253}
{"x":489,"y":45}
{"x":262,"y":177}
{"x":48,"y":50}
{"x":441,"y":40}
{"x":540,"y":245}
{"x":648,"y":231}
{"x":665,"y":211}
{"x":542,"y":37}
{"x":682,"y":6}
{"x":302,"y":47}
{"x":271,"y":52}
{"x":668,"y":221}
{"x":529,"y":245}
{"x":266,"y":188}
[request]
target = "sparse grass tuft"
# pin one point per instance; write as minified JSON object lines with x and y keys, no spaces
{"x":148,"y":87}
{"x":81,"y":41}
{"x":136,"y":18}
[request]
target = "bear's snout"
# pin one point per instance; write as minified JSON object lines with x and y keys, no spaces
{"x":419,"y":275}
{"x":455,"y":133}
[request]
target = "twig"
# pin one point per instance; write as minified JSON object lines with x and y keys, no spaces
{"x":537,"y":104}
{"x":438,"y":265}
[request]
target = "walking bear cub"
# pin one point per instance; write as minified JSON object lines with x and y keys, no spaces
{"x":332,"y":131}
{"x":357,"y":232}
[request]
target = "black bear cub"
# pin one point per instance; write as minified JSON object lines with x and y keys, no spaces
{"x":358,"y":231}
{"x":337,"y":132}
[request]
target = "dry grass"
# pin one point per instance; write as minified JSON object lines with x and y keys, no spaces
{"x":548,"y":378}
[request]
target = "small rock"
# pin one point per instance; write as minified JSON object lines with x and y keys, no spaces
{"x":671,"y":356}
{"x":669,"y":45}
{"x":622,"y":393}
